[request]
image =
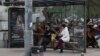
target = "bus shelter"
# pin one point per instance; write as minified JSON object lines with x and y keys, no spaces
{"x":57,"y":12}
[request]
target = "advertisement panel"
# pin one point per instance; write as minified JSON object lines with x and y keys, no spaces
{"x":16,"y":26}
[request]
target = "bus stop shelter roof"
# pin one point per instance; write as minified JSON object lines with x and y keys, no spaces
{"x":37,"y":3}
{"x":57,"y":2}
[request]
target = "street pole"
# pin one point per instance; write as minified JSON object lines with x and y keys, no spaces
{"x":28,"y":34}
{"x":85,"y":27}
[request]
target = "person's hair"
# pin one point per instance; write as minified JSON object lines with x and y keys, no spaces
{"x":63,"y":25}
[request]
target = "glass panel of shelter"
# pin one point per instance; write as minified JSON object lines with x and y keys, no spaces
{"x":56,"y":15}
{"x":76,"y":25}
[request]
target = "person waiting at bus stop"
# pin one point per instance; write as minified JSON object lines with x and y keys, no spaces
{"x":47,"y":36}
{"x":91,"y":41}
{"x":63,"y":37}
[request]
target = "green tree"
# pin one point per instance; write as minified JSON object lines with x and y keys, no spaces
{"x":94,"y":8}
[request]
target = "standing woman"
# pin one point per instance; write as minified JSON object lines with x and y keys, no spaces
{"x":40,"y":31}
{"x":91,"y":41}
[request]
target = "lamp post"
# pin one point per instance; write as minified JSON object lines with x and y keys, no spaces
{"x":28,"y":34}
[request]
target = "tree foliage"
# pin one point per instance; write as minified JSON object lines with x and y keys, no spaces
{"x":94,"y":8}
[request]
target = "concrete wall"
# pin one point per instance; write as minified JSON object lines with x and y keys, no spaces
{"x":3,"y":26}
{"x":1,"y":44}
{"x":1,"y":40}
{"x":3,"y":13}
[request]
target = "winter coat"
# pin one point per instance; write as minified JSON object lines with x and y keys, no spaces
{"x":65,"y":35}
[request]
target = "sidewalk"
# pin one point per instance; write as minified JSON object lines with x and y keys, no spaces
{"x":50,"y":52}
{"x":20,"y":52}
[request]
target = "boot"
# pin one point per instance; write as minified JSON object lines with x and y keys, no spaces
{"x":61,"y":50}
{"x":55,"y":48}
{"x":97,"y":46}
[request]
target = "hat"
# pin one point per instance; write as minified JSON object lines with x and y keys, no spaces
{"x":63,"y":25}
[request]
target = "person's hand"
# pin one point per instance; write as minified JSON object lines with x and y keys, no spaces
{"x":56,"y":41}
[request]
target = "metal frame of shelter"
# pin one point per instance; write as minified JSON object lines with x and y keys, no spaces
{"x":40,"y":3}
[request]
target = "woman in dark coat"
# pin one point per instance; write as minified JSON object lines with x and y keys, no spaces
{"x":91,"y":41}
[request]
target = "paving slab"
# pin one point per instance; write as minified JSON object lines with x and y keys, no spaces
{"x":49,"y":52}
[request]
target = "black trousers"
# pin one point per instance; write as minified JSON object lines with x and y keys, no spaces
{"x":91,"y":42}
